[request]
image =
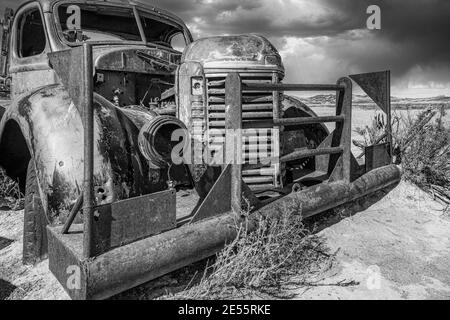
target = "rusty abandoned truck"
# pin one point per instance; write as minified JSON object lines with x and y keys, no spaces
{"x":98,"y":89}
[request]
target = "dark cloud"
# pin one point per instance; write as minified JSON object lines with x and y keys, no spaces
{"x":321,"y":40}
{"x":418,"y":31}
{"x":254,"y":16}
{"x":414,"y":34}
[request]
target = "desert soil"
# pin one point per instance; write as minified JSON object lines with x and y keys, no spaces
{"x":398,"y":248}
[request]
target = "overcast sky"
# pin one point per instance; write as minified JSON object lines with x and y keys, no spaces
{"x":323,"y":40}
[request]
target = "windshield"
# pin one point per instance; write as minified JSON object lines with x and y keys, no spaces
{"x":100,"y":23}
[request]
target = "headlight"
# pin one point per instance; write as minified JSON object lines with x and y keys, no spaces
{"x":197,"y":86}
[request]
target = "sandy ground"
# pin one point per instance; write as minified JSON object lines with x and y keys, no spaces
{"x":16,"y":280}
{"x":398,"y":248}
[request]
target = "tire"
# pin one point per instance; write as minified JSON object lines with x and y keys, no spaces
{"x":35,"y":221}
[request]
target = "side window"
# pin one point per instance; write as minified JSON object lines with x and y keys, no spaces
{"x":31,"y":35}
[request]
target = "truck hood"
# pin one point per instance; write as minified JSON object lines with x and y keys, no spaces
{"x":228,"y":51}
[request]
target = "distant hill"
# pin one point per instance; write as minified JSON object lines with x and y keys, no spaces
{"x":365,"y":101}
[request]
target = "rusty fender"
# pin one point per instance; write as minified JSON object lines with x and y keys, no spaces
{"x":52,"y":129}
{"x":142,"y":261}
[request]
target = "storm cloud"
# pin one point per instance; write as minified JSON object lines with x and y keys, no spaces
{"x":323,"y":40}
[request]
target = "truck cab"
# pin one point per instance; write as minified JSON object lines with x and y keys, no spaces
{"x":41,"y":27}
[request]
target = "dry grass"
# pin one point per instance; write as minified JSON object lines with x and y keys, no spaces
{"x":421,"y":146}
{"x":10,"y":194}
{"x":371,"y":134}
{"x":279,"y":256}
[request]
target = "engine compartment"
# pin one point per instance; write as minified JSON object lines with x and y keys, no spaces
{"x":128,"y":88}
{"x":144,"y":77}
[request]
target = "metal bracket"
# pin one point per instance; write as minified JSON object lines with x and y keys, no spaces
{"x":218,"y":200}
{"x":376,"y":86}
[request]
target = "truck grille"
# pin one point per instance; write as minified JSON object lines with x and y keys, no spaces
{"x":258,"y":144}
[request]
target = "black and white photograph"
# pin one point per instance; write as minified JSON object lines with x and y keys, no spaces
{"x":224,"y":156}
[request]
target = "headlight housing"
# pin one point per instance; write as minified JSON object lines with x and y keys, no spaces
{"x":197,"y":86}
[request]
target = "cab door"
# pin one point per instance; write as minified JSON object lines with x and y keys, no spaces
{"x":29,"y":66}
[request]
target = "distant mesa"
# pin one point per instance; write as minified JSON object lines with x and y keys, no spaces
{"x":364,"y":101}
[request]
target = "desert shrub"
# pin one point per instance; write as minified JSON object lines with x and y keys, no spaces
{"x":270,"y":261}
{"x":421,"y":145}
{"x":373,"y":133}
{"x":424,"y":147}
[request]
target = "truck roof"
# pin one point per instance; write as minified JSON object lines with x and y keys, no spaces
{"x":48,"y":4}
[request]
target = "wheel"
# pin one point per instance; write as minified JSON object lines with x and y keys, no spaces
{"x":300,"y":136}
{"x":35,"y":220}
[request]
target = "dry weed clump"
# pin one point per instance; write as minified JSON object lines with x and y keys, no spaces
{"x":270,"y":261}
{"x":371,"y":134}
{"x":424,"y":148}
{"x":10,"y":194}
{"x":421,"y":146}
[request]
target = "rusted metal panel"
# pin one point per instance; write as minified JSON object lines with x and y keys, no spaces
{"x":66,"y":260}
{"x":377,"y":156}
{"x":70,"y":67}
{"x":336,"y":174}
{"x":218,"y":200}
{"x":374,"y":84}
{"x":126,"y":221}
